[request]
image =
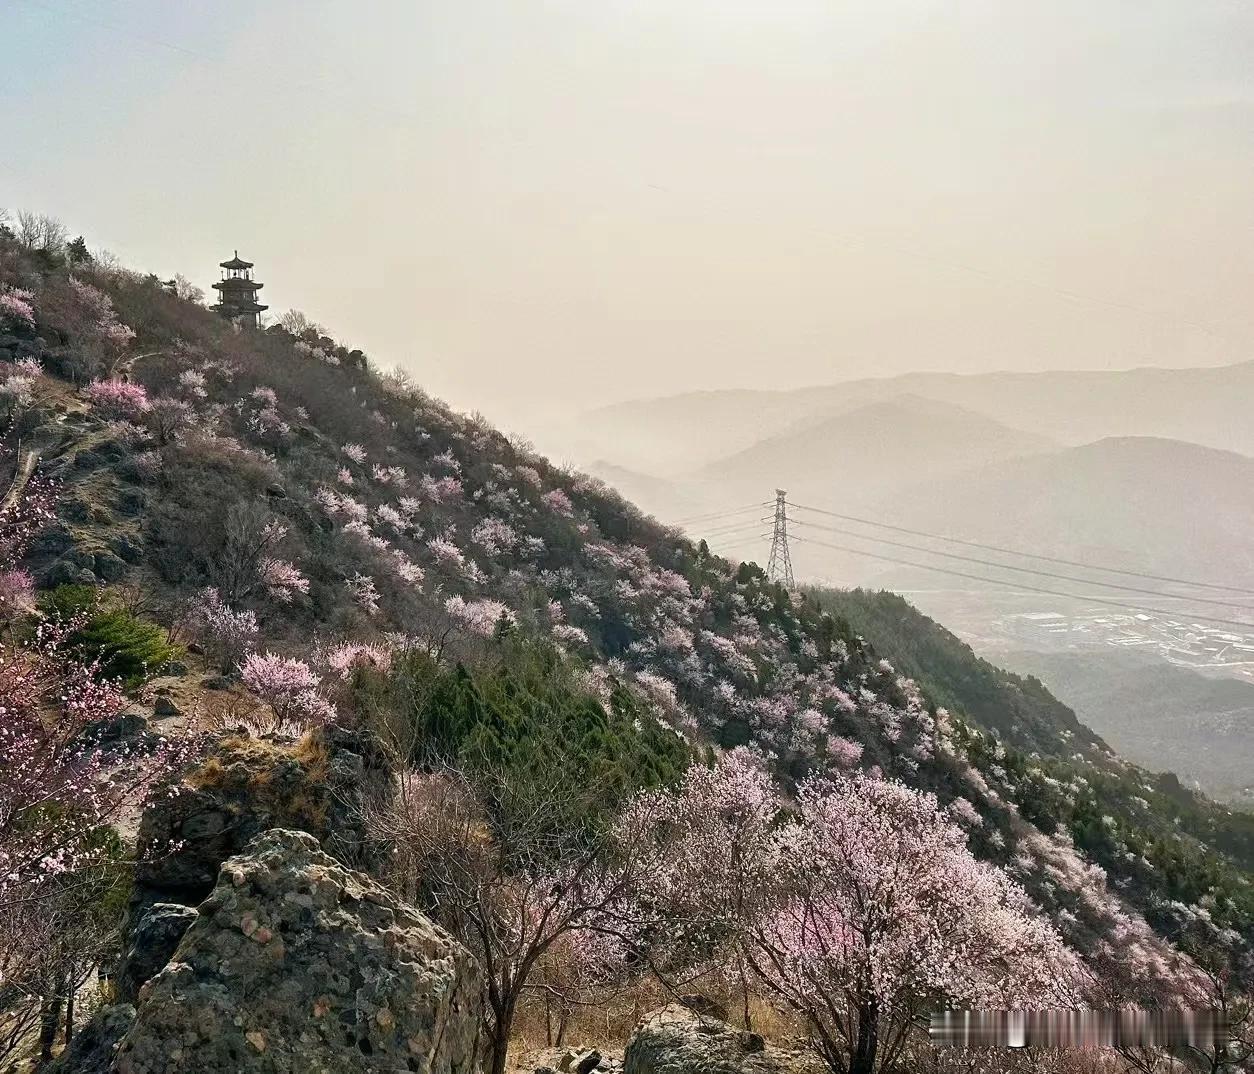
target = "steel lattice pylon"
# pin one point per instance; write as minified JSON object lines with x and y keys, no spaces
{"x":779,"y":566}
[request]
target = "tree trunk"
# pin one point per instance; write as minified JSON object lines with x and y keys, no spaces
{"x":744,"y":985}
{"x":865,"y":1047}
{"x":49,"y":1026}
{"x":499,"y":1045}
{"x":498,"y":1042}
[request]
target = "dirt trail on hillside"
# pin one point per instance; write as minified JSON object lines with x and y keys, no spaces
{"x":26,"y":463}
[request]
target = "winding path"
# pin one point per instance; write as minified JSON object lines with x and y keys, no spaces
{"x":26,"y":462}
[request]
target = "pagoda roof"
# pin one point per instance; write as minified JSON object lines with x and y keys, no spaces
{"x":237,"y":285}
{"x":235,"y":263}
{"x":238,"y":307}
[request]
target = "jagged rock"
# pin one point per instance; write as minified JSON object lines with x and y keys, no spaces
{"x":569,"y":1060}
{"x":276,"y":491}
{"x":677,"y":1040}
{"x":164,"y":707}
{"x":82,"y":557}
{"x":109,"y":567}
{"x":130,"y":729}
{"x":67,"y":572}
{"x":588,"y":1062}
{"x":126,"y":548}
{"x":94,"y":1045}
{"x":153,"y":942}
{"x":295,"y":963}
{"x":175,"y":668}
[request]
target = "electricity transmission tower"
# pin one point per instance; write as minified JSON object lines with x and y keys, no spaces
{"x":779,"y":566}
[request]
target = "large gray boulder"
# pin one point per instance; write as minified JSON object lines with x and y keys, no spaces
{"x":298,"y":964}
{"x":679,"y":1040}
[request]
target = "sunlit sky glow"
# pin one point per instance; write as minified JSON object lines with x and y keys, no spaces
{"x":539,"y":206}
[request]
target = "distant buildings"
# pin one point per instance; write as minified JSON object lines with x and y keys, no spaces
{"x":237,"y":293}
{"x":1209,"y":649}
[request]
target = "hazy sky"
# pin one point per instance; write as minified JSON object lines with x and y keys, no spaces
{"x":541,"y":204}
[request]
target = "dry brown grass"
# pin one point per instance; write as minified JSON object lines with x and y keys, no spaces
{"x":245,"y":768}
{"x":606,"y":1021}
{"x":311,"y":751}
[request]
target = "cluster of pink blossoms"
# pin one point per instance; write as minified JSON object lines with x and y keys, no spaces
{"x":57,"y":785}
{"x":118,"y":398}
{"x":17,"y":307}
{"x":289,"y":686}
{"x":479,"y":616}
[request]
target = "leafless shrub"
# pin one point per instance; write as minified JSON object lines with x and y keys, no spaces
{"x":485,"y":854}
{"x":40,"y":233}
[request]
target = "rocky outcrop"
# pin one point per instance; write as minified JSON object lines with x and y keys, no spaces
{"x":297,"y":964}
{"x":94,"y":1046}
{"x":153,"y":941}
{"x":321,"y":785}
{"x":679,"y":1040}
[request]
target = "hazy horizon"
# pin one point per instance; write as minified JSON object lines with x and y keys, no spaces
{"x":542,"y":209}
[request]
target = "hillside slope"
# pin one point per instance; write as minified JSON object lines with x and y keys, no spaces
{"x":1156,"y":713}
{"x":262,"y":476}
{"x":1154,"y":505}
{"x":1029,"y":718}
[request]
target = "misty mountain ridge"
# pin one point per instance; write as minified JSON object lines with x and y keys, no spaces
{"x":1146,"y":503}
{"x":1150,"y":710}
{"x":858,"y":453}
{"x":1206,"y":405}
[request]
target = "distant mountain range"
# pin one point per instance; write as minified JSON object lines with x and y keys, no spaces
{"x":1146,"y":468}
{"x":1208,"y":406}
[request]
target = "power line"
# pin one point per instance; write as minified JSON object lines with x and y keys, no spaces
{"x":752,"y":524}
{"x":1025,"y":586}
{"x":1026,"y":555}
{"x":739,"y":538}
{"x":1024,"y":570}
{"x":715,"y":515}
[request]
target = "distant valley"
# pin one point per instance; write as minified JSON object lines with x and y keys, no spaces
{"x":1160,"y":716}
{"x":1147,"y":471}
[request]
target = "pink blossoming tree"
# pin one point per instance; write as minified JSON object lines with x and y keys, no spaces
{"x":860,"y":913}
{"x":118,"y":398}
{"x":880,"y":912}
{"x":290,"y":687}
{"x":17,"y":308}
